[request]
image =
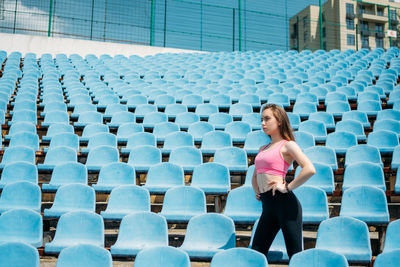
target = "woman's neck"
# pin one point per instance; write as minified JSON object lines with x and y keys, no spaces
{"x":276,"y":138}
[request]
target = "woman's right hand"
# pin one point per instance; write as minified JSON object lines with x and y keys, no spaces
{"x":258,"y":196}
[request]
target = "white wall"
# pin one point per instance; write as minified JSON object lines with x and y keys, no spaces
{"x":52,"y":45}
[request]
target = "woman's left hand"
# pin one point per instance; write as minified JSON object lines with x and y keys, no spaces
{"x":277,"y":186}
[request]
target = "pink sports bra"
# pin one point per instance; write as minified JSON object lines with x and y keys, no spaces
{"x":270,"y":161}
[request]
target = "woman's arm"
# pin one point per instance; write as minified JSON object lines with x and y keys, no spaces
{"x":307,"y":168}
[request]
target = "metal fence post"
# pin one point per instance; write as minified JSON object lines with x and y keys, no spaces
{"x":152,"y":24}
{"x":320,"y":25}
{"x":390,"y":25}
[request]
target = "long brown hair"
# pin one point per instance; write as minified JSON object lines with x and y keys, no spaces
{"x":280,"y":115}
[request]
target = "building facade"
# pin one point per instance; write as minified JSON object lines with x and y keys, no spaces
{"x":346,"y":24}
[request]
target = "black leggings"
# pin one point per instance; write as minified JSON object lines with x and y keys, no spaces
{"x":282,"y":211}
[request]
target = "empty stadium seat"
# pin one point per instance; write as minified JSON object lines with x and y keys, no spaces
{"x":72,"y":197}
{"x":322,"y":154}
{"x":163,"y":176}
{"x":124,"y":200}
{"x":55,"y":117}
{"x":198,"y":129}
{"x":57,"y":128}
{"x":100,"y":139}
{"x":314,"y":204}
{"x":392,"y":237}
{"x":304,"y":139}
{"x":21,"y":194}
{"x":69,"y":140}
{"x":66,"y":173}
{"x":242,"y":205}
{"x":238,"y":130}
{"x":390,"y":258}
{"x":316,"y":128}
{"x":20,"y":127}
{"x":77,"y":227}
{"x":143,"y":157}
{"x":21,"y":225}
{"x":26,"y":139}
{"x":385,"y":140}
{"x":318,"y":257}
{"x":325,"y":117}
{"x":125,"y":130}
{"x":357,"y":115}
{"x":243,"y":257}
{"x":139,"y":231}
{"x":232,"y":157}
{"x":215,"y":140}
{"x":93,"y":129}
{"x":354,"y":241}
{"x":114,"y":175}
{"x":363,"y":173}
{"x":15,"y":253}
{"x":177,"y":140}
{"x":26,"y":172}
{"x":101,"y":156}
{"x":208,"y":234}
{"x":219,"y":120}
{"x":81,"y":255}
{"x":120,"y":118}
{"x":162,"y":256}
{"x":182,"y":203}
{"x":187,"y":157}
{"x":341,"y":141}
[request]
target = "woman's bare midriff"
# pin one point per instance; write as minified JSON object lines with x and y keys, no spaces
{"x":263,"y":179}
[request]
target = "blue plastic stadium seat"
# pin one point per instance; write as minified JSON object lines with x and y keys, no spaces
{"x":232,"y":157}
{"x":235,"y":257}
{"x":238,"y":130}
{"x":26,"y":172}
{"x":55,"y":117}
{"x":14,"y":253}
{"x":395,"y":164}
{"x":162,"y":129}
{"x":162,"y":256}
{"x":20,"y":127}
{"x":363,"y":153}
{"x":322,"y":154}
{"x":120,"y":118}
{"x":314,"y":203}
{"x":21,"y":225}
{"x":215,"y":140}
{"x":26,"y":139}
{"x":139,"y":139}
{"x":177,"y":140}
{"x":358,"y":116}
{"x":363,"y":173}
{"x":182,"y":203}
{"x":125,"y":130}
{"x":315,"y":257}
{"x":239,"y":109}
{"x":253,"y":119}
{"x":325,"y":117}
{"x":219,"y":120}
{"x":357,"y":202}
{"x":354,"y":241}
{"x":388,"y":114}
{"x":143,"y":157}
{"x":172,"y":110}
{"x":370,"y":107}
{"x":390,"y":258}
{"x":385,"y":140}
{"x":185,"y":119}
{"x":100,"y":139}
{"x":294,"y":120}
{"x":139,"y":231}
{"x":387,"y":124}
{"x":212,"y":178}
{"x":304,"y":109}
{"x":21,"y":194}
{"x":208,"y":234}
{"x":338,"y":108}
{"x":23,"y":115}
{"x":81,"y":255}
{"x":124,"y":200}
{"x":77,"y":227}
{"x":304,"y":139}
{"x":352,"y":126}
{"x":82,"y":108}
{"x":69,"y":140}
{"x":114,"y":175}
{"x":335,"y":96}
{"x":192,"y":100}
{"x":221,"y":100}
{"x":66,"y":173}
{"x":162,"y":101}
{"x":88,"y":117}
{"x":316,"y":128}
{"x":101,"y":156}
{"x":112,"y":109}
{"x":205,"y":110}
{"x":93,"y":129}
{"x":72,"y":197}
{"x":392,"y":237}
{"x":163,"y":176}
{"x":254,"y":140}
{"x":57,"y":128}
{"x":187,"y":157}
{"x":279,"y":99}
{"x":242,"y":205}
{"x":341,"y":141}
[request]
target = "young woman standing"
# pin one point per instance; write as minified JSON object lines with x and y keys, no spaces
{"x":280,"y":207}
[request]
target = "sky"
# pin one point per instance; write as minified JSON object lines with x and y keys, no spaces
{"x":207,"y":25}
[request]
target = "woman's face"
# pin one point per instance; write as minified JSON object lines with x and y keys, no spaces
{"x":269,"y":123}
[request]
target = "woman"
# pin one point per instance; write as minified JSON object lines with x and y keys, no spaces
{"x":280,"y":207}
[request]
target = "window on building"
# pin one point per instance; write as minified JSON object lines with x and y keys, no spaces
{"x":379,"y":11}
{"x":350,"y":39}
{"x":324,"y":32}
{"x":305,"y":21}
{"x":364,"y":25}
{"x":365,"y":42}
{"x":350,"y":24}
{"x":379,"y":42}
{"x":379,"y":27}
{"x":349,"y":8}
{"x":305,"y":36}
{"x":393,"y":15}
{"x":362,"y":9}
